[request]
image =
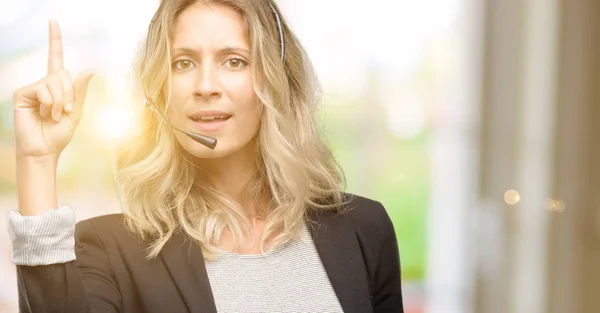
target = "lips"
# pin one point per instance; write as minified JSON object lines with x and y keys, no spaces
{"x":211,"y":123}
{"x":209,"y":115}
{"x":210,"y":118}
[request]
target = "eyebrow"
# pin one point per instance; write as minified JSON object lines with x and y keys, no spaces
{"x":224,"y":50}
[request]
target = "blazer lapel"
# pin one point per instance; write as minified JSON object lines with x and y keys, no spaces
{"x":337,"y":244}
{"x":185,"y":263}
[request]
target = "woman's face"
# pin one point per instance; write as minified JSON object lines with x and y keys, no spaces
{"x":212,"y":92}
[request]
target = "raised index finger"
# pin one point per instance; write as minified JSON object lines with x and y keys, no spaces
{"x":55,"y":51}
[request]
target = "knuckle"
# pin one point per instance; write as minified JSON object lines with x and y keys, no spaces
{"x":53,"y":79}
{"x":43,"y":92}
{"x":64,"y":73}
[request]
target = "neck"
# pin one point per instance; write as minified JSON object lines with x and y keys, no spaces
{"x":231,"y":174}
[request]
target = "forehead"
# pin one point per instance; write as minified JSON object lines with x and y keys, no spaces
{"x":209,"y":25}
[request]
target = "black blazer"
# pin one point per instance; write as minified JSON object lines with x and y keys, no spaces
{"x":358,"y":249}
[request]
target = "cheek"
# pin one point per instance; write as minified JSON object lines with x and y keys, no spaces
{"x":238,"y":87}
{"x":245,"y":102}
{"x":247,"y":116}
{"x":180,"y":88}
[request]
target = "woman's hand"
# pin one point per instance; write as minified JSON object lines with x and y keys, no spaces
{"x":47,"y":112}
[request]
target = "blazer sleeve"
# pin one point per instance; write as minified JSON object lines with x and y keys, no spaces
{"x":84,"y":285}
{"x":387,"y":277}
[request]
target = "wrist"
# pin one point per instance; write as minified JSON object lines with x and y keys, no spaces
{"x":36,"y":184}
{"x":49,"y":160}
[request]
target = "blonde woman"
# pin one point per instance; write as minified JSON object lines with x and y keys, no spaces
{"x":231,"y":202}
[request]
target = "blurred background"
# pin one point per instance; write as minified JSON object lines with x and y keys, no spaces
{"x":475,"y":122}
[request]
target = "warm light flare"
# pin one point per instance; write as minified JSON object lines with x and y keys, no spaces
{"x":115,"y":123}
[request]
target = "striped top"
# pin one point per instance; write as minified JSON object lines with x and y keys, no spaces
{"x":289,"y":278}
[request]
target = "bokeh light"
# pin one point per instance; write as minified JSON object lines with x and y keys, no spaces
{"x":554,"y":205}
{"x":512,"y":197}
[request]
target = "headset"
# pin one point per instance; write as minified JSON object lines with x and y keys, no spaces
{"x":207,"y":141}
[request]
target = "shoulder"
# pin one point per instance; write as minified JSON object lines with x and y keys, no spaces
{"x":373,"y":227}
{"x":106,"y":238}
{"x":103,"y":228}
{"x":367,"y":215}
{"x":361,"y":218}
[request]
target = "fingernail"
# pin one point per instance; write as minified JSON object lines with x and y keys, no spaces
{"x":56,"y":116}
{"x":69,"y":107}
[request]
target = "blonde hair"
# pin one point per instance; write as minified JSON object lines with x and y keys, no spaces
{"x":160,"y":190}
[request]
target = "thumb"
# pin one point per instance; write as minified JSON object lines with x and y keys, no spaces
{"x":81,"y":87}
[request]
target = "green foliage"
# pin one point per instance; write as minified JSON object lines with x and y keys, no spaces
{"x":386,"y":168}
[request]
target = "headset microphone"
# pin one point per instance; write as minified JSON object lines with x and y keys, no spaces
{"x":207,"y":141}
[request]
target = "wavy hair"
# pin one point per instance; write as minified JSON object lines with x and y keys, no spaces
{"x":160,"y":189}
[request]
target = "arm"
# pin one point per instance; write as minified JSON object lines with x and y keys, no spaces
{"x":49,"y":278}
{"x":387,"y":286}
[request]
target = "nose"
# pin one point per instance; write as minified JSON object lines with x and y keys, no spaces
{"x":207,"y":85}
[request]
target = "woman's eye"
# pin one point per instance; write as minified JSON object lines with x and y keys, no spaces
{"x":236,"y":63}
{"x":182,"y":65}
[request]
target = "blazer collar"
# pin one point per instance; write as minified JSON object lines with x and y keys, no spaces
{"x":336,"y":242}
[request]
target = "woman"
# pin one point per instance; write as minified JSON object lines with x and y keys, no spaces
{"x":255,"y":223}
